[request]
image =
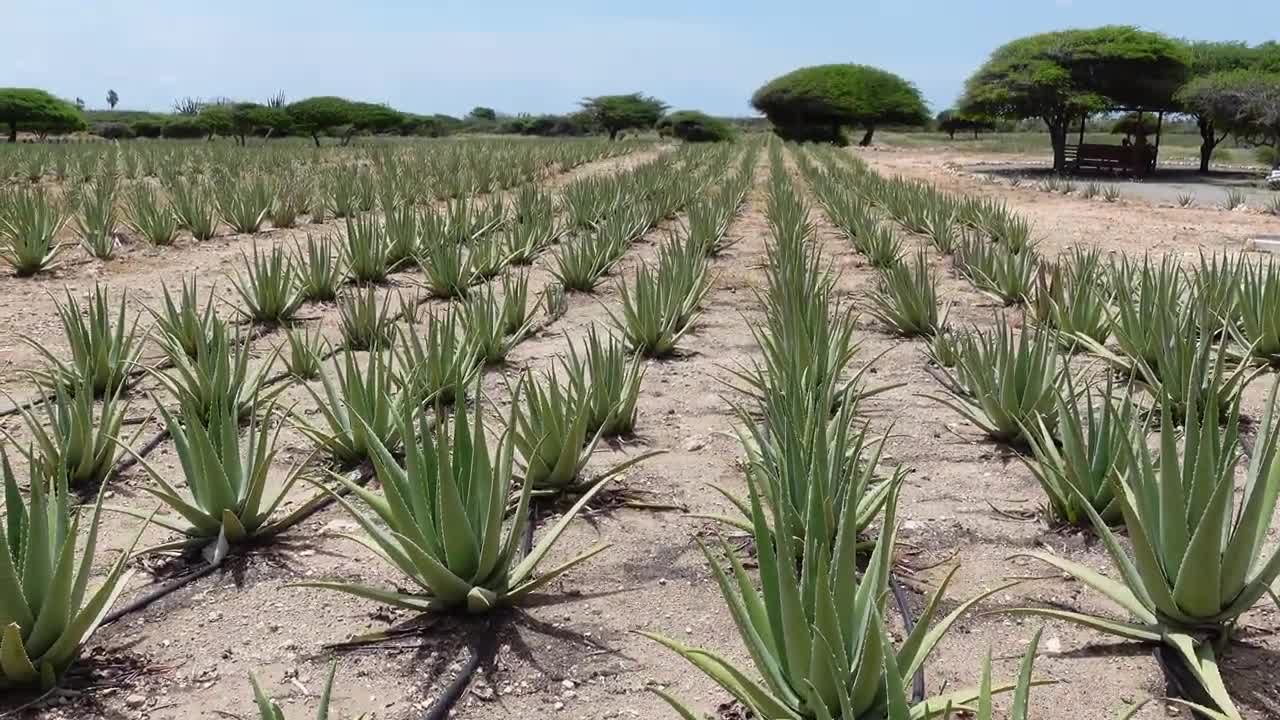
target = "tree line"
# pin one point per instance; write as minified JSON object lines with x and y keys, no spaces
{"x":39,"y":112}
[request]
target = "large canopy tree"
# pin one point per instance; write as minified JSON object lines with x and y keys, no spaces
{"x":37,"y":111}
{"x":616,"y":113}
{"x":1058,"y":76}
{"x":1242,"y":102}
{"x":817,"y":102}
{"x":316,"y":115}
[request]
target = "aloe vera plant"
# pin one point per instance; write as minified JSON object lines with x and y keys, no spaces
{"x":151,"y":216}
{"x":99,"y":217}
{"x":304,"y":356}
{"x":1076,"y":461}
{"x":1199,"y":558}
{"x":29,"y":225}
{"x":75,"y":441}
{"x":366,"y":323}
{"x":269,"y":286}
{"x":217,"y":377}
{"x":243,"y":202}
{"x":1149,"y":303}
{"x":183,"y":322}
{"x":1259,"y":296}
{"x":48,"y":612}
{"x":102,"y":351}
{"x":609,"y":380}
{"x":195,"y":210}
{"x":580,"y":264}
{"x":906,"y":299}
{"x":227,"y":500}
{"x":661,"y":304}
{"x":359,"y":406}
{"x":1072,"y":300}
{"x":320,"y":269}
{"x":439,"y":518}
{"x":1010,"y":384}
{"x":995,"y":269}
{"x":367,"y":252}
{"x":816,"y":630}
{"x":485,"y":322}
{"x":804,"y":462}
{"x":550,"y":434}
{"x":447,"y":268}
{"x":269,"y":709}
{"x":436,"y":366}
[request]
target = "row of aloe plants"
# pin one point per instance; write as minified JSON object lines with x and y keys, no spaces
{"x":392,"y":410}
{"x":816,"y":628}
{"x":245,"y":195}
{"x":1197,"y":558}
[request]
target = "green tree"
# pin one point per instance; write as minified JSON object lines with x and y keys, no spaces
{"x":1060,"y":76}
{"x":616,"y":113}
{"x":1211,"y":58}
{"x":818,"y":102}
{"x":37,"y":111}
{"x":694,"y":126}
{"x":953,"y":121}
{"x":481,"y":112}
{"x":317,"y":115}
{"x":112,"y":99}
{"x":241,"y":119}
{"x":1244,"y":103}
{"x":372,"y":118}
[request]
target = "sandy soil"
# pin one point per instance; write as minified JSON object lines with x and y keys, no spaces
{"x":1132,"y":225}
{"x":575,"y":655}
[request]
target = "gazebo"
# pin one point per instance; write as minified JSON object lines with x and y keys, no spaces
{"x":1137,"y":159}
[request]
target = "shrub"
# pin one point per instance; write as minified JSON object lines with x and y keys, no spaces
{"x":113,"y":131}
{"x":694,"y":126}
{"x":818,"y":102}
{"x":147,"y":127}
{"x":185,"y":128}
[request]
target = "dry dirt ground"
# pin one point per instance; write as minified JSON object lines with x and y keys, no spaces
{"x":576,"y":654}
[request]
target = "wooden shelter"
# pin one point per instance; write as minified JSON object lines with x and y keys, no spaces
{"x":1136,"y":159}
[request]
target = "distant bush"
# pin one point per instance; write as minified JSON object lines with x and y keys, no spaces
{"x":953,"y":121}
{"x":616,"y":113}
{"x":147,"y":127}
{"x":429,"y":125}
{"x":694,"y":126}
{"x":818,"y":102}
{"x":185,"y":127}
{"x":112,"y":131}
{"x":571,"y":125}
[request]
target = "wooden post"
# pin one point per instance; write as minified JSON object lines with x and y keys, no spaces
{"x":1155,"y":153}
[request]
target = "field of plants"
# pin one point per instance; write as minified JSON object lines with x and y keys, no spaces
{"x":489,"y":428}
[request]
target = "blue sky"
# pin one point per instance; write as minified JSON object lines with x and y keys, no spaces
{"x":539,"y":56}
